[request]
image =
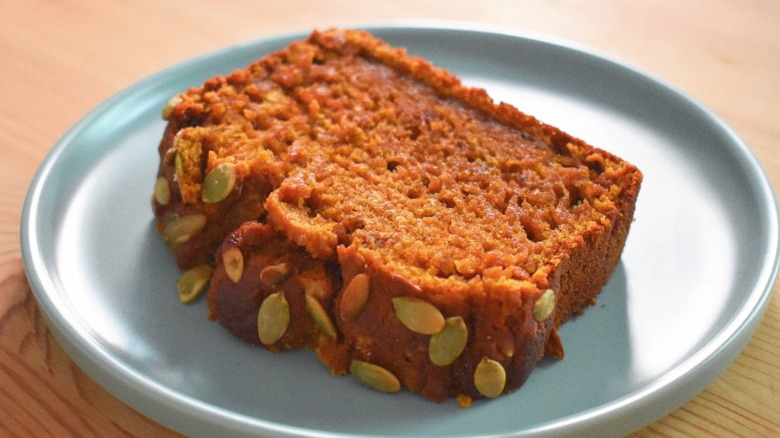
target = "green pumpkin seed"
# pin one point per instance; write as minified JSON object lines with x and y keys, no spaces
{"x":489,"y":378}
{"x":448,"y":343}
{"x":418,"y":315}
{"x":170,"y":155}
{"x":162,"y":191}
{"x":273,"y":318}
{"x":233,"y":261}
{"x":192,"y":282}
{"x":170,"y":106}
{"x":544,"y":305}
{"x":179,"y":229}
{"x":320,"y":316}
{"x":374,"y":376}
{"x":274,"y":274}
{"x":178,"y":163}
{"x":219,"y":183}
{"x":354,"y":297}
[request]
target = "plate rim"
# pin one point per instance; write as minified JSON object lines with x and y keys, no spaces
{"x":180,"y":412}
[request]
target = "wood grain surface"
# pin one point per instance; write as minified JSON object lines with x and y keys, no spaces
{"x":61,"y":58}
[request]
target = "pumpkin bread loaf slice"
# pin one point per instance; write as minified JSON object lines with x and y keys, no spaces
{"x":428,"y":238}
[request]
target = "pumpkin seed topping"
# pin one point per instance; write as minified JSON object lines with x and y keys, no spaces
{"x":192,"y":282}
{"x":179,"y":229}
{"x":320,"y":316}
{"x":233,"y":261}
{"x":448,"y":343}
{"x":272,"y":275}
{"x":544,"y":305}
{"x":219,"y":183}
{"x":374,"y":376}
{"x":418,"y":315}
{"x":489,"y":378}
{"x":162,"y":191}
{"x":273,"y":318}
{"x":170,"y":106}
{"x":354,"y":297}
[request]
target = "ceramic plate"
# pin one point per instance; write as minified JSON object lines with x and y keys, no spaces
{"x":692,"y":285}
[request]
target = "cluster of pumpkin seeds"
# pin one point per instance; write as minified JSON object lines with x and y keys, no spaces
{"x":353,"y":300}
{"x":217,"y":185}
{"x":178,"y":229}
{"x":448,"y":340}
{"x":273,"y":318}
{"x":448,"y":336}
{"x":490,"y":375}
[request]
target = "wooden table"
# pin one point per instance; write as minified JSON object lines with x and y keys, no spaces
{"x":59,"y":59}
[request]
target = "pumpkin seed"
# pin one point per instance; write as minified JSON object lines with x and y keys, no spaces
{"x":489,"y":378}
{"x":219,"y":183}
{"x":320,"y":316}
{"x":448,"y":343}
{"x":233,"y":261}
{"x":544,"y":305}
{"x":162,"y":191}
{"x":192,"y":282}
{"x":354,"y":297}
{"x":179,"y":229}
{"x":374,"y":376}
{"x":272,"y":275}
{"x":273,"y":318}
{"x":169,"y":155}
{"x":418,"y":315}
{"x":178,"y":163}
{"x":170,"y":106}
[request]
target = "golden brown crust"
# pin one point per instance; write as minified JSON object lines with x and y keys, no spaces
{"x":362,"y":162}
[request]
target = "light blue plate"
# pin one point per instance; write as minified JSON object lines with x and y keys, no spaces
{"x":693,"y":283}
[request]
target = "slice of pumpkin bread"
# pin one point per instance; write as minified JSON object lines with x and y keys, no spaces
{"x":428,"y":238}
